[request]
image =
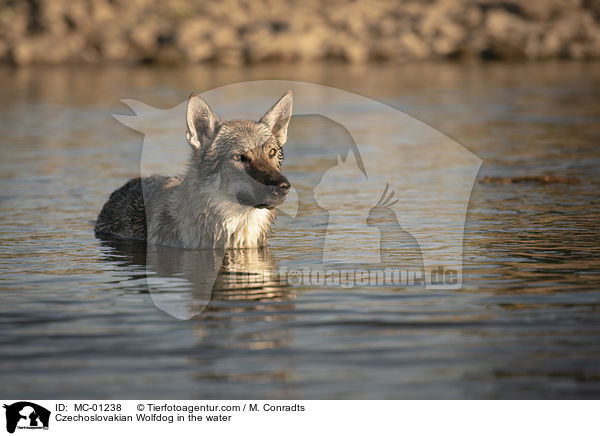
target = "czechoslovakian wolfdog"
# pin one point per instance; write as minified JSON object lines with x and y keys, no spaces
{"x":227,"y":197}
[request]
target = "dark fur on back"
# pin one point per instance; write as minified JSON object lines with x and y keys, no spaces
{"x":124,"y":213}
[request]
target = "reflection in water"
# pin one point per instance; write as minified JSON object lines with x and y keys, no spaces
{"x":224,"y":289}
{"x":183,"y":282}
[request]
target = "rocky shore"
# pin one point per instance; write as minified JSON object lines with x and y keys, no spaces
{"x":249,"y":31}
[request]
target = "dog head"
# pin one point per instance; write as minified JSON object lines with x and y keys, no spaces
{"x":240,"y":159}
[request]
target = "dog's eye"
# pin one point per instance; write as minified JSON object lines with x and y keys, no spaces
{"x":237,"y":157}
{"x":272,"y":152}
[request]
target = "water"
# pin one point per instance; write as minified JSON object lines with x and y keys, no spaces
{"x":77,"y":319}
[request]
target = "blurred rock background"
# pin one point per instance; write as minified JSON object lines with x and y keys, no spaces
{"x":250,"y":31}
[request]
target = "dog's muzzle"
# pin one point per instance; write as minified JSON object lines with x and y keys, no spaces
{"x":273,"y":196}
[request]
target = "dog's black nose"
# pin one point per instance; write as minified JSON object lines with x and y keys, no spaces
{"x":281,"y":187}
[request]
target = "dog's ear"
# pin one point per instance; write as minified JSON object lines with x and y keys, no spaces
{"x":202,"y":123}
{"x":278,"y":117}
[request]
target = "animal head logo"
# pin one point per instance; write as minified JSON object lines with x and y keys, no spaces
{"x":27,"y":415}
{"x":430,"y":174}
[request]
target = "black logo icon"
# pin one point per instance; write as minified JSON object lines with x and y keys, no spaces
{"x":26,"y":415}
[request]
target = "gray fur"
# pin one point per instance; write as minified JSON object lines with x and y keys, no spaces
{"x":228,"y":194}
